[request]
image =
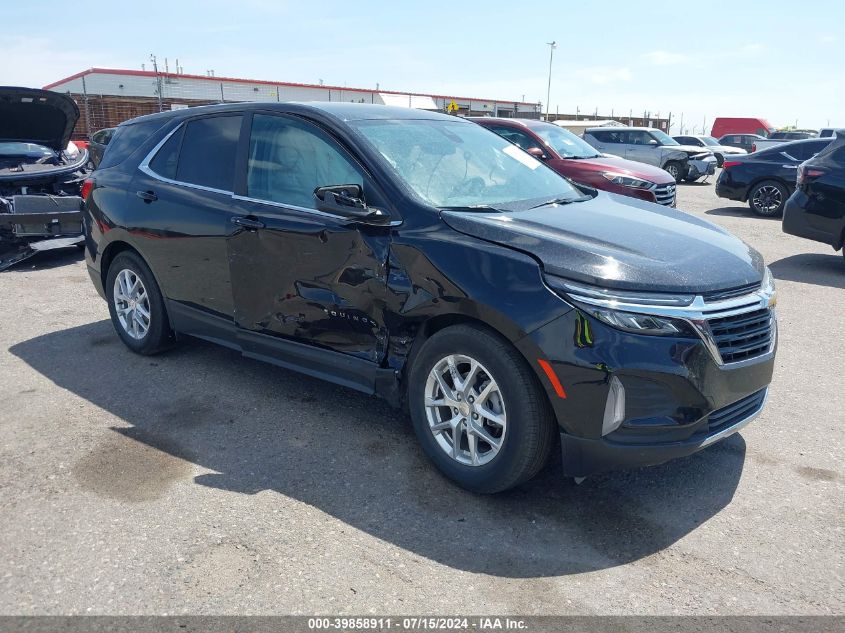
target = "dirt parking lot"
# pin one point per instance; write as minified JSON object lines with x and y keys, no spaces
{"x":202,"y":482}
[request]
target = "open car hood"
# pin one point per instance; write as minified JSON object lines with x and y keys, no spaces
{"x":37,"y":116}
{"x":623,"y":243}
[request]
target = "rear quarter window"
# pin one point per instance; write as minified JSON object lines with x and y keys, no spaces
{"x":127,"y":139}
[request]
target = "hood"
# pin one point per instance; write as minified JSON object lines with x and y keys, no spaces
{"x":622,"y":166}
{"x":727,"y":149}
{"x":622,"y":243}
{"x":37,"y":116}
{"x":693,"y":151}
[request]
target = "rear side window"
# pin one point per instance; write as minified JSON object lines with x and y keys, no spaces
{"x":607,"y":136}
{"x":207,"y":154}
{"x":126,"y":139}
{"x":165,"y":161}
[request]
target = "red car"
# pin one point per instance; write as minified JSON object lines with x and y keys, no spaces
{"x":579,"y":161}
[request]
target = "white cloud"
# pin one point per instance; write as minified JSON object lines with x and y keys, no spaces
{"x":603,"y":75}
{"x":827,"y":39}
{"x":665,"y":58}
{"x":752,"y":49}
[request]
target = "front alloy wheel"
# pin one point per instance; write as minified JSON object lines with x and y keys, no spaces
{"x":465,"y":410}
{"x":478,"y":409}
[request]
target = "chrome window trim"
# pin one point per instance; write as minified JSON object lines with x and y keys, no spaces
{"x":698,"y":314}
{"x":144,"y":166}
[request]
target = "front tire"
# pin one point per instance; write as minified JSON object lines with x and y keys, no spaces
{"x":768,"y":198}
{"x":719,"y":160}
{"x":136,"y":305}
{"x":478,"y":410}
{"x":675,"y":169}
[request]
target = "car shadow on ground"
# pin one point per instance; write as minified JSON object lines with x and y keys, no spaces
{"x":739,"y":212}
{"x":262,"y":428}
{"x":811,"y":268}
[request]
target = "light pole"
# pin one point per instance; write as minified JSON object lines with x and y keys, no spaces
{"x":552,"y":47}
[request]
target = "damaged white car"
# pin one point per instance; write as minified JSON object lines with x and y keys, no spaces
{"x":42,"y":174}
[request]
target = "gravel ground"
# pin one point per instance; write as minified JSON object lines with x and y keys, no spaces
{"x":202,"y":482}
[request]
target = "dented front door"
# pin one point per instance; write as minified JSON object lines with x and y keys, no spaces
{"x":298,"y":273}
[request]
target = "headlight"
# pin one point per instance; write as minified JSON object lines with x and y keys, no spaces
{"x":605,"y":305}
{"x":638,"y":323}
{"x":768,"y":287}
{"x":627,"y":181}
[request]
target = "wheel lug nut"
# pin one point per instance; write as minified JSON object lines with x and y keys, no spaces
{"x":458,"y":397}
{"x":455,"y":409}
{"x":474,"y":416}
{"x":471,"y":399}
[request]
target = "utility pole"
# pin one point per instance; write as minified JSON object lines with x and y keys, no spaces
{"x":552,"y":47}
{"x":158,"y":81}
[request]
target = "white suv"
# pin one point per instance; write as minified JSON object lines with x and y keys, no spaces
{"x":648,"y":145}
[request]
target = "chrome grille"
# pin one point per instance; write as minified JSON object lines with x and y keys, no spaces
{"x":742,"y":336}
{"x":665,"y":194}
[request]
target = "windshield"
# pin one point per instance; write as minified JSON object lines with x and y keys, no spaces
{"x":565,"y":143}
{"x":709,"y":140}
{"x":663,"y":138}
{"x":458,"y":164}
{"x":28,"y":150}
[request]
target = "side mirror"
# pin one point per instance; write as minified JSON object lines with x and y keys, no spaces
{"x":653,"y":142}
{"x":536,"y":152}
{"x":348,"y":201}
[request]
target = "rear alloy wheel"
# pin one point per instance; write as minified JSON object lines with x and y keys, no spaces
{"x":136,"y":305}
{"x":675,"y":170}
{"x":478,"y":409}
{"x":767,"y":198}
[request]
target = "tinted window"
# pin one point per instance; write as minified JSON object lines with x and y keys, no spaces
{"x":803,"y":151}
{"x":128,"y":138}
{"x":207,"y":156}
{"x":517,"y":137}
{"x":289,"y":159}
{"x":164,"y":162}
{"x":638,"y":137}
{"x":608,"y":136}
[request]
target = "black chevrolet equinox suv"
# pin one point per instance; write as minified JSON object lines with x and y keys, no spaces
{"x":424,"y":259}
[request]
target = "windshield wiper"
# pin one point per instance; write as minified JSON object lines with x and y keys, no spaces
{"x":561,"y":201}
{"x":485,"y":208}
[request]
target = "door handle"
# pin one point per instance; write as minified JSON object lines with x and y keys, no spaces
{"x":790,"y":166}
{"x":247,"y":223}
{"x":147,"y":196}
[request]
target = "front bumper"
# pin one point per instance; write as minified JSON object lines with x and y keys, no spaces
{"x":703,"y":167}
{"x":679,"y":398}
{"x":583,"y":456}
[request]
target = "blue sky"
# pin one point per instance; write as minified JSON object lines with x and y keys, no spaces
{"x":780,"y":60}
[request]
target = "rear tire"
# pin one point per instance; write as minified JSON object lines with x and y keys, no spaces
{"x":136,"y":305}
{"x":719,"y":160}
{"x":768,"y":198}
{"x":675,"y":169}
{"x":501,"y":401}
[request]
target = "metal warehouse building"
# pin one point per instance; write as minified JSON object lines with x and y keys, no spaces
{"x":107,"y":97}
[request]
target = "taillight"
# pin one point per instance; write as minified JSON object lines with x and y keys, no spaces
{"x":808,"y":173}
{"x":753,"y":147}
{"x":87,"y":186}
{"x":730,"y":163}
